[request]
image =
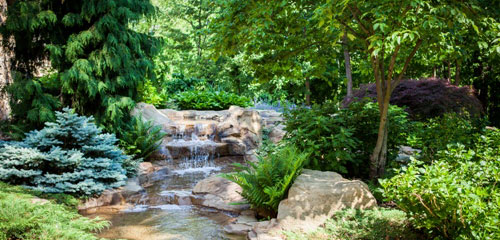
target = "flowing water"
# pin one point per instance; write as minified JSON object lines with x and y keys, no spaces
{"x":156,"y":216}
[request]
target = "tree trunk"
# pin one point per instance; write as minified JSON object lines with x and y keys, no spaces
{"x":5,"y":73}
{"x":348,"y":71}
{"x":308,"y":92}
{"x":434,"y":72}
{"x":457,"y":74}
{"x":449,"y":71}
{"x":378,"y":158}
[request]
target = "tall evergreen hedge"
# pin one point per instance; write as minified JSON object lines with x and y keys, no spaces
{"x":98,"y":60}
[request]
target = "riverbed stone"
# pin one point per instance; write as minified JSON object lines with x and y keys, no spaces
{"x":265,"y":230}
{"x":145,"y":168}
{"x":219,"y":193}
{"x":107,"y":198}
{"x":237,"y":228}
{"x":315,"y":196}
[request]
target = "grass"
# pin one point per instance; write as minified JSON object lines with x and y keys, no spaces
{"x":22,"y":217}
{"x":373,"y":224}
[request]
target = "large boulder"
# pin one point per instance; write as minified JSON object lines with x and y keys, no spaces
{"x":315,"y":196}
{"x":241,"y":124}
{"x":220,"y":193}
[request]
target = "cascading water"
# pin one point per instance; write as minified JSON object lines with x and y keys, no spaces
{"x":162,"y":211}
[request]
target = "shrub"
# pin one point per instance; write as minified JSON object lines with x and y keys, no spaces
{"x":141,"y":139}
{"x":266,"y":182}
{"x":149,"y":93}
{"x":180,"y":83}
{"x":457,"y":197}
{"x":70,"y":155}
{"x":435,"y":134}
{"x":342,"y":140}
{"x":373,"y":224}
{"x":21,"y":217}
{"x":426,"y":98}
{"x":209,"y":100}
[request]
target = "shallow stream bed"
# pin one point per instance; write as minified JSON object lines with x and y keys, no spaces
{"x":153,"y":217}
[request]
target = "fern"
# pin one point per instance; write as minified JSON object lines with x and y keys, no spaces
{"x":266,"y":182}
{"x":141,"y":139}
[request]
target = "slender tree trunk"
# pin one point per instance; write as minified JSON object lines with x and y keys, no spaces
{"x":348,"y":71}
{"x":434,"y":72}
{"x":449,"y":71}
{"x":457,"y":74}
{"x":308,"y":92}
{"x":378,"y":158}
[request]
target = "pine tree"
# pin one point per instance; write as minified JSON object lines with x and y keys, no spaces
{"x":99,"y":61}
{"x":71,"y":155}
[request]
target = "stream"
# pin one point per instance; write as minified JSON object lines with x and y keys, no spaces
{"x":156,"y":216}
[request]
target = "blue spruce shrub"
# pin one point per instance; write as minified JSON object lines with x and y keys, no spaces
{"x":71,"y":155}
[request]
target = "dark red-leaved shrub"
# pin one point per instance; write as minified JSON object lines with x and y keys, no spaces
{"x":426,"y":98}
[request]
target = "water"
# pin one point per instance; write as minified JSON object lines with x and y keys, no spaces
{"x":154,"y":217}
{"x":164,"y":210}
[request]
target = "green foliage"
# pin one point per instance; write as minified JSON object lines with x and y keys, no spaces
{"x":342,"y":139}
{"x":33,"y":101}
{"x":22,"y":217}
{"x":437,"y":133}
{"x":148,"y":93}
{"x":99,"y":60}
{"x":70,"y":155}
{"x":209,"y":100}
{"x":457,"y":197}
{"x":353,"y":224}
{"x":266,"y":182}
{"x":141,"y":139}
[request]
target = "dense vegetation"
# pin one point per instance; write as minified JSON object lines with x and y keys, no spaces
{"x":356,"y":80}
{"x":97,"y":59}
{"x":24,"y":216}
{"x":341,"y":140}
{"x":457,"y":195}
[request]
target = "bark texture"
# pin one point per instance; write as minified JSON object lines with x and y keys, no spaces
{"x":5,"y":76}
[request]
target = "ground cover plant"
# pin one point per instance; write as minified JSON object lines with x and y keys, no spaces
{"x":23,"y":216}
{"x":70,"y":155}
{"x":372,"y":224}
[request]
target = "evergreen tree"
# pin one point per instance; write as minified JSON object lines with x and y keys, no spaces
{"x":71,"y":155}
{"x":99,"y":60}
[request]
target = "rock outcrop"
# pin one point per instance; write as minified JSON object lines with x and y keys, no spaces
{"x":315,"y":196}
{"x":231,"y":132}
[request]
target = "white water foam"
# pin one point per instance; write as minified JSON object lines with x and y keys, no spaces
{"x":205,"y":170}
{"x":136,"y":208}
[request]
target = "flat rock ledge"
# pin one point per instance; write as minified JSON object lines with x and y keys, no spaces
{"x":315,"y":196}
{"x":220,"y":193}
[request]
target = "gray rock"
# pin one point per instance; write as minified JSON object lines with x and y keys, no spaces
{"x":220,"y":193}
